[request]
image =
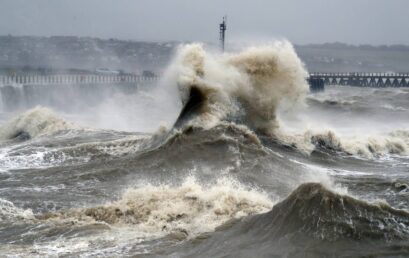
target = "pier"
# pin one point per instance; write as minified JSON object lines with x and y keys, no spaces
{"x":61,"y":90}
{"x":317,"y":81}
{"x":374,"y":80}
{"x":56,"y":79}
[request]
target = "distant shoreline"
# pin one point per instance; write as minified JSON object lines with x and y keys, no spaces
{"x":130,"y":56}
{"x":327,"y":45}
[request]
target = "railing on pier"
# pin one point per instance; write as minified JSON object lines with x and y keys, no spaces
{"x":317,"y":81}
{"x":378,"y":80}
{"x":73,"y":79}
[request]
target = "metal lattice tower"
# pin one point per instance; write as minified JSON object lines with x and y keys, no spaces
{"x":223,"y":27}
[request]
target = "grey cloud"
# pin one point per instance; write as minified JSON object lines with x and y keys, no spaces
{"x":306,"y":21}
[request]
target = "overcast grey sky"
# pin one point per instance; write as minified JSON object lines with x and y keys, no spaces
{"x":300,"y":21}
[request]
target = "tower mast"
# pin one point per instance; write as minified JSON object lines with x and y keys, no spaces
{"x":223,"y":27}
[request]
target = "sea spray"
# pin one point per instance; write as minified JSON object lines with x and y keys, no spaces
{"x":251,"y":83}
{"x":191,"y":207}
{"x":32,"y":123}
{"x":364,"y":146}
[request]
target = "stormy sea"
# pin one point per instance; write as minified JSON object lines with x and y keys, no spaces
{"x":227,"y":155}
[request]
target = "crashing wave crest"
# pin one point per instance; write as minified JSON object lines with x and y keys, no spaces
{"x":250,"y":84}
{"x":396,"y":142}
{"x":35,"y":122}
{"x":189,"y":208}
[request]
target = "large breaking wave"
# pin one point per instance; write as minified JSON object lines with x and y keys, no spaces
{"x":189,"y":208}
{"x":35,"y":122}
{"x":251,"y":87}
{"x":312,"y":221}
{"x":248,"y":86}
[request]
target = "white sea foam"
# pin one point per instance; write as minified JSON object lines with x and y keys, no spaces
{"x":190,"y":208}
{"x":366,"y":146}
{"x":35,"y":122}
{"x":254,"y":84}
{"x":9,"y":212}
{"x":251,"y":83}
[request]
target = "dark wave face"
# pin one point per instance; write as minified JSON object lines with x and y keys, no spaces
{"x":311,"y":222}
{"x":193,"y":107}
{"x":237,"y":171}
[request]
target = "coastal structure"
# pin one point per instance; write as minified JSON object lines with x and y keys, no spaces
{"x":223,"y":28}
{"x":73,"y":79}
{"x":374,"y":80}
{"x":317,"y":81}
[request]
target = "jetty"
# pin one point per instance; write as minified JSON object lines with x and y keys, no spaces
{"x":318,"y":81}
{"x":57,"y":79}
